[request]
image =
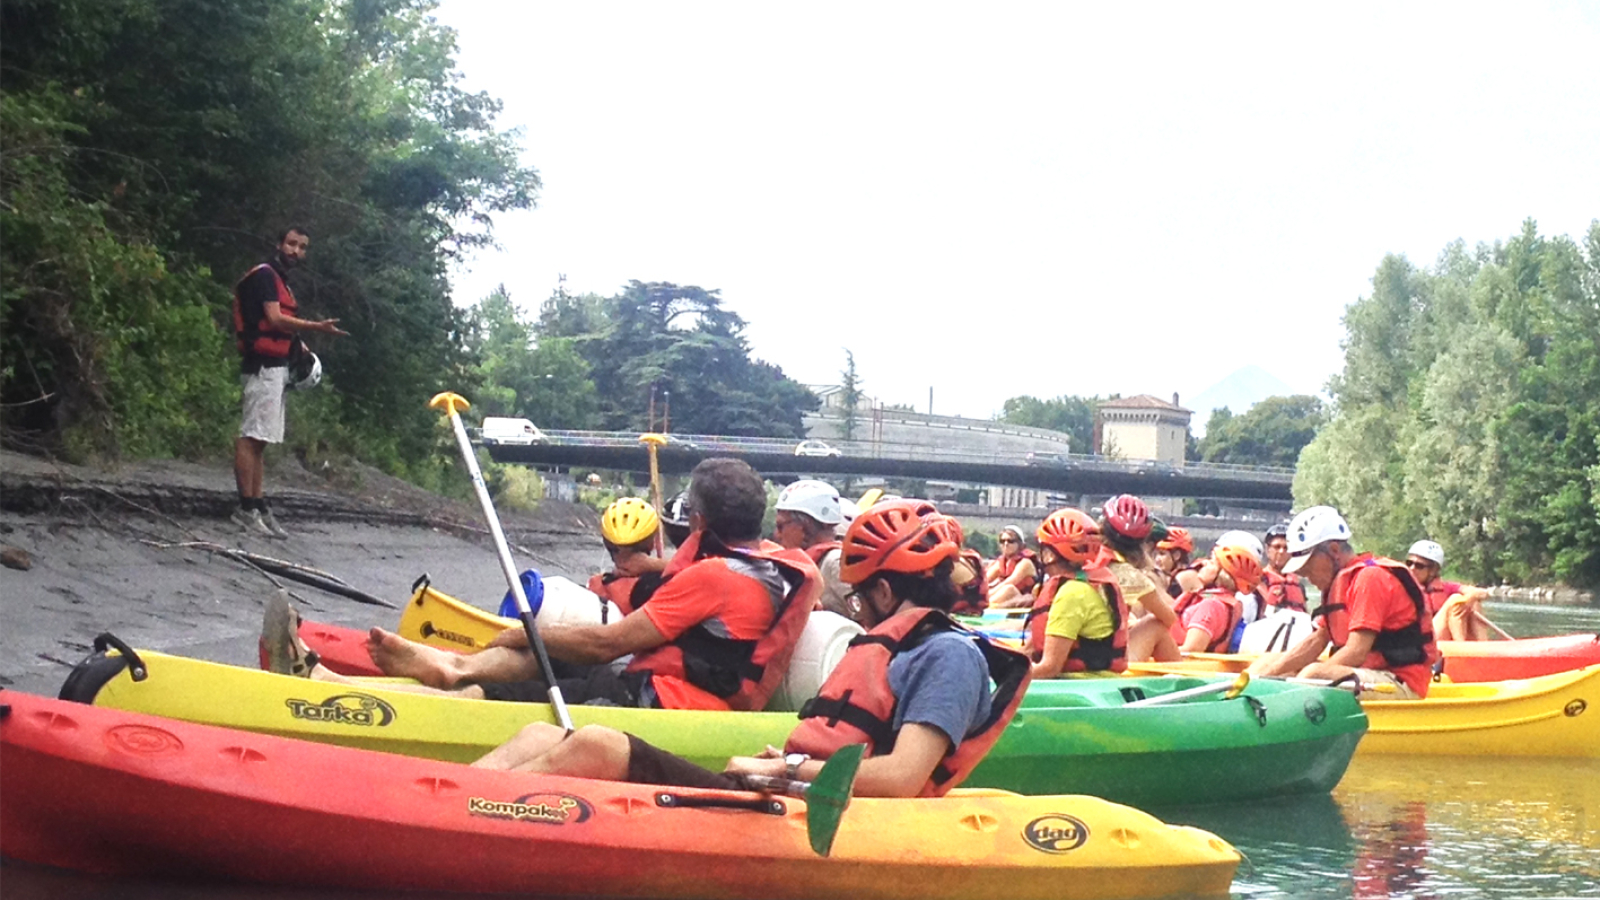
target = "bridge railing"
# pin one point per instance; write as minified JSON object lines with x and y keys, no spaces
{"x":706,"y":443}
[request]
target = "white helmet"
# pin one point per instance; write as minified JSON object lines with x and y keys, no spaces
{"x":1429,"y":551}
{"x":306,"y":373}
{"x":817,"y":499}
{"x":1313,"y":526}
{"x":848,"y":510}
{"x":1244,"y":540}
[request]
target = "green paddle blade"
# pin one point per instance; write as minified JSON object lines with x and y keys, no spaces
{"x":829,"y":796}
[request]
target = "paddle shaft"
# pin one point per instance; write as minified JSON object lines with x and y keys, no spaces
{"x":507,"y":566}
{"x":1231,"y":688}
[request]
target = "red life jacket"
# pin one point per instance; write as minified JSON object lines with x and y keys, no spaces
{"x":1008,"y":564}
{"x":1410,"y":645}
{"x":975,"y":593}
{"x":1107,"y":654}
{"x":619,"y":589}
{"x":254,"y":338}
{"x":1190,"y":599}
{"x":1284,"y":591}
{"x":742,"y":672}
{"x":856,"y":705}
{"x":818,"y":551}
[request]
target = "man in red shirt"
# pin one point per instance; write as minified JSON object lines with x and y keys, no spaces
{"x":705,"y":640}
{"x":1373,"y":615}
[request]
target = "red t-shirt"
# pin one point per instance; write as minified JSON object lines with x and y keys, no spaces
{"x":1438,"y":591}
{"x":1211,"y":615}
{"x":710,"y":589}
{"x":1376,"y":601}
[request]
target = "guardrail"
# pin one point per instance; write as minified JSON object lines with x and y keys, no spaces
{"x":705,"y":443}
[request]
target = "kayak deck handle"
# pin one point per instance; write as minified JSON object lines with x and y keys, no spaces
{"x":768,"y":805}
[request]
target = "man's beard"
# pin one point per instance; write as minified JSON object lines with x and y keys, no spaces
{"x":287,"y":262}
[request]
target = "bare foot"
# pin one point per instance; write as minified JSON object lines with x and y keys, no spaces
{"x":400,"y":658}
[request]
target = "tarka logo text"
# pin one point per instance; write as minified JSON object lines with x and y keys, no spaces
{"x":546,"y":809}
{"x":429,"y":630}
{"x":1055,"y":833}
{"x":344,"y":709}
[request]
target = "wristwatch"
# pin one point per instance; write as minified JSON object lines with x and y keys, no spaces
{"x":791,"y":764}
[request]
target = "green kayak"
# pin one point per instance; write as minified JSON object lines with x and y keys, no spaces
{"x":1072,"y":736}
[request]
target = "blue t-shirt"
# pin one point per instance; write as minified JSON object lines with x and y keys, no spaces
{"x":942,"y":683}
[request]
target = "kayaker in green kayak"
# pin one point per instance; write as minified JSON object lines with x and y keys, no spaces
{"x":1373,"y":614}
{"x":915,"y":689}
{"x":1078,"y":622}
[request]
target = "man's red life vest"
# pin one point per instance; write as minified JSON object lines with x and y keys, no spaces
{"x":1410,"y":645}
{"x":975,"y":593}
{"x":1107,"y":654}
{"x":1283,"y":591}
{"x":1008,"y":564}
{"x":855,"y":704}
{"x":1190,"y":599}
{"x":742,"y":672}
{"x":818,"y":551}
{"x":255,"y":339}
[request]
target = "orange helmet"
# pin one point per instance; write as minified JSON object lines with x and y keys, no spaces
{"x":1071,"y":533}
{"x":1177,"y":539}
{"x":1240,"y":565}
{"x":952,"y":528}
{"x":892,"y":537}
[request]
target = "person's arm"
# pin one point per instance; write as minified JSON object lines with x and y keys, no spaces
{"x":917,"y":749}
{"x":631,"y":564}
{"x":1295,"y":658}
{"x":1190,"y":581}
{"x":1355,"y":650}
{"x":273,"y":313}
{"x":1195,"y":640}
{"x":1023,"y":572}
{"x":1056,"y":651}
{"x":1156,"y":606}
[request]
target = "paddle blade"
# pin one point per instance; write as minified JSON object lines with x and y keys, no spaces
{"x":829,"y":796}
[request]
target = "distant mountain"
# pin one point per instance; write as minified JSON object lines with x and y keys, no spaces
{"x":1239,"y":391}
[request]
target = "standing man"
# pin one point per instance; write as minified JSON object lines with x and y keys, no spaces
{"x":1372,"y":613}
{"x":265,"y":323}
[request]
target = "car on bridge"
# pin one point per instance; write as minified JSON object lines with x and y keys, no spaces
{"x":816,"y":448}
{"x":1048,"y":459}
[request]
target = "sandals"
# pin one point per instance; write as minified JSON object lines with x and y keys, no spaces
{"x":281,"y":646}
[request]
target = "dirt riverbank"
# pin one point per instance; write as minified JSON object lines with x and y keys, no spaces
{"x":100,"y":548}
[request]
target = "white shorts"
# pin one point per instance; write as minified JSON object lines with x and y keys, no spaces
{"x":263,"y":404}
{"x":1384,"y":676}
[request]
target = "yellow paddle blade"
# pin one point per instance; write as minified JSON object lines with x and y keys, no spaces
{"x":449,"y":402}
{"x":873,"y":495}
{"x":653,"y":439}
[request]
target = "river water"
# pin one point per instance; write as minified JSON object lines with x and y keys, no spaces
{"x":1395,"y":827}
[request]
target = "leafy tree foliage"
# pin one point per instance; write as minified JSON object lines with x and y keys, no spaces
{"x":850,"y":395}
{"x":1069,"y":414}
{"x":1270,"y":433}
{"x":545,"y":380}
{"x":182,"y":136}
{"x":1469,"y":411}
{"x":662,"y":337}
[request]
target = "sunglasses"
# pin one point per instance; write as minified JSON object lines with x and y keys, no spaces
{"x":1009,"y":541}
{"x":1418,"y":564}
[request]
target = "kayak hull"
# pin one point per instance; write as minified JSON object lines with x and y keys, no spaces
{"x":124,"y":794}
{"x":1552,"y":715}
{"x":1071,"y":736}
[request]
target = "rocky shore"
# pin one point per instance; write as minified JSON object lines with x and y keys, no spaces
{"x":89,"y":550}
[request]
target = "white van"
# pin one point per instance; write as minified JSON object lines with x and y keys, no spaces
{"x":499,"y":430}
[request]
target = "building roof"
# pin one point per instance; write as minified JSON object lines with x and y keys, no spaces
{"x":1144,"y":401}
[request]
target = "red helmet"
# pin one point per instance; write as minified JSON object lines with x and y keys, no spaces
{"x":1071,"y":533}
{"x":1241,"y":566}
{"x":892,"y":537}
{"x":1128,"y":516}
{"x":1177,"y":539}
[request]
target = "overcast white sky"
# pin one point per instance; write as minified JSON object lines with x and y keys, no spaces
{"x":1044,"y":198}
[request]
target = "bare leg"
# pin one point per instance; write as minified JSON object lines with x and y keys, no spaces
{"x":249,"y":466}
{"x":443,"y":669}
{"x":592,"y":751}
{"x":1007,"y":596}
{"x":532,"y":742}
{"x":320,"y":672}
{"x":1149,"y":639}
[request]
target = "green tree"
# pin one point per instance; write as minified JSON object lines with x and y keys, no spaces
{"x":542,"y":379}
{"x":850,"y":395}
{"x":1270,"y":433}
{"x":1071,"y":415}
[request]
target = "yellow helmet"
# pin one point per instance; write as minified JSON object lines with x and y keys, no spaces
{"x":629,"y":521}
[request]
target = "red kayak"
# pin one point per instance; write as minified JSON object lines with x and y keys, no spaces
{"x":119,"y":793}
{"x":1474,"y":661}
